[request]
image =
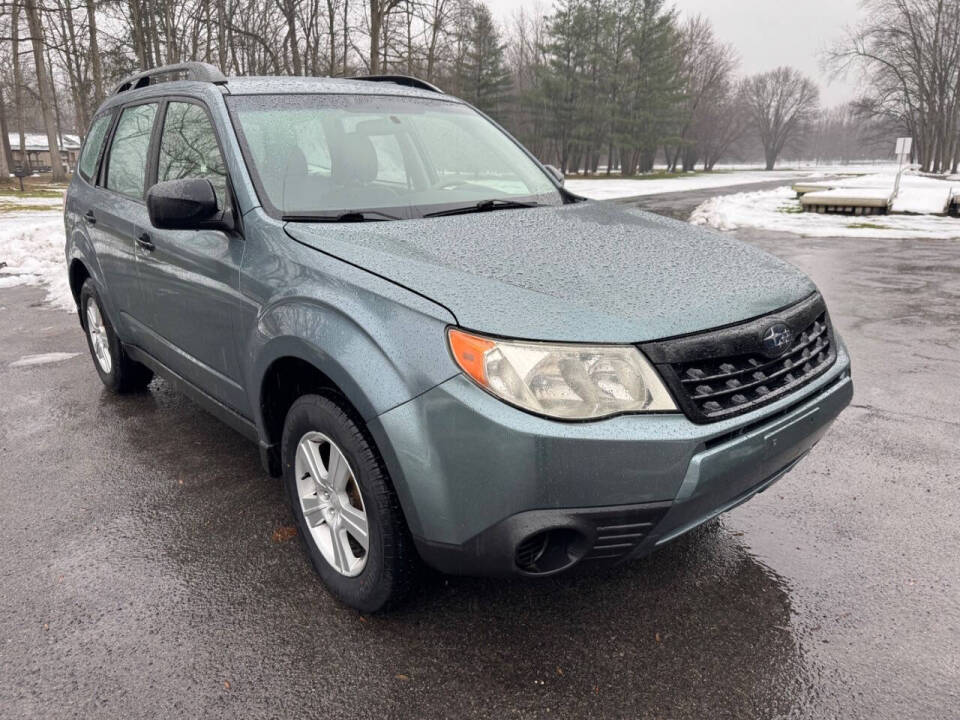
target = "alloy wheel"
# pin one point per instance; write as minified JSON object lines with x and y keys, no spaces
{"x":97,"y":331}
{"x":332,"y":504}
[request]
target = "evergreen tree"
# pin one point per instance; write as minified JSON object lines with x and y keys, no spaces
{"x":486,"y":80}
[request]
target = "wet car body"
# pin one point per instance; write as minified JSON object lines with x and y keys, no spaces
{"x":485,"y":487}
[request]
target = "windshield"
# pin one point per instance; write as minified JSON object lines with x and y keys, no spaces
{"x":404,"y":157}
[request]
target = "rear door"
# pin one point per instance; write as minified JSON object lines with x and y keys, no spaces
{"x":119,"y":211}
{"x":190,"y":278}
{"x":83,"y":196}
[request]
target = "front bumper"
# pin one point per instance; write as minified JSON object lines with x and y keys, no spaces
{"x":483,"y":484}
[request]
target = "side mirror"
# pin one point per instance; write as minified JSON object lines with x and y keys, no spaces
{"x":188,"y":204}
{"x":556,"y":173}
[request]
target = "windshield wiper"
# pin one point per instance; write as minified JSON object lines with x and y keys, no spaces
{"x":349,"y":216}
{"x":484,"y":206}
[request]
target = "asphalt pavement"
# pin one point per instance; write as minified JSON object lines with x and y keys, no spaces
{"x":148,"y":569}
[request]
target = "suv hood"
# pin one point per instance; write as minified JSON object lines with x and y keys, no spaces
{"x":586,"y":272}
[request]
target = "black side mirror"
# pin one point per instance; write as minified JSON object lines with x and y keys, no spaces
{"x":188,"y":204}
{"x":556,"y":173}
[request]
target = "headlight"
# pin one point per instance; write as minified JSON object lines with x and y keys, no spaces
{"x":570,"y":382}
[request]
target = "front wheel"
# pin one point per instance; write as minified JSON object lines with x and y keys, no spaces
{"x":346,"y":510}
{"x":116,"y":369}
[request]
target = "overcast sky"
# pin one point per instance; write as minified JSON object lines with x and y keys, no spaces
{"x":766,"y":33}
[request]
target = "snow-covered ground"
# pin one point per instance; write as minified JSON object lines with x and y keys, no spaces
{"x":780,"y":210}
{"x":31,"y":253}
{"x":602,"y":188}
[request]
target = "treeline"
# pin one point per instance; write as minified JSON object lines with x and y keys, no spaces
{"x":908,"y":52}
{"x":589,"y":85}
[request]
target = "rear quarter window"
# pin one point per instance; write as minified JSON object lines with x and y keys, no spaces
{"x":93,"y":145}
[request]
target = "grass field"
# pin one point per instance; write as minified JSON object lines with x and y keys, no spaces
{"x":39,"y":193}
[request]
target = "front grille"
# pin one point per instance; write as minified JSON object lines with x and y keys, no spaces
{"x":726,"y":372}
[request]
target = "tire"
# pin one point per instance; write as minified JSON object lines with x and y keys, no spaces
{"x":370,"y":578}
{"x":116,"y":369}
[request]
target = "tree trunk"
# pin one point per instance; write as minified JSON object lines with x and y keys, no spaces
{"x":56,"y":101}
{"x":376,"y":20}
{"x":18,"y":83}
{"x":770,"y":155}
{"x":332,"y":34}
{"x":45,"y":90}
{"x":291,"y":18}
{"x":222,"y":43}
{"x":346,"y":37}
{"x":72,"y":60}
{"x":137,"y":34}
{"x":95,"y":65}
{"x":6,"y":155}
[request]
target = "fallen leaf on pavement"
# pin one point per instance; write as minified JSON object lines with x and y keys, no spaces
{"x":284,"y":533}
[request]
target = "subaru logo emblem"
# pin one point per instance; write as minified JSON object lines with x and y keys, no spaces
{"x":776,"y":339}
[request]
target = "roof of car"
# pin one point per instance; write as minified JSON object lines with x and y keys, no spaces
{"x":202,"y":79}
{"x":267,"y":85}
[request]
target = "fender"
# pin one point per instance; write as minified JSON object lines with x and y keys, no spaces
{"x":364,"y":362}
{"x":79,"y":247}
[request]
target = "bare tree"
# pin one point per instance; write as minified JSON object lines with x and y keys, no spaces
{"x":781,"y":103}
{"x":725,"y":121}
{"x":45,"y":90}
{"x":909,"y":52}
{"x":6,"y":157}
{"x":17,"y":78}
{"x":707,"y":66}
{"x":379,"y":10}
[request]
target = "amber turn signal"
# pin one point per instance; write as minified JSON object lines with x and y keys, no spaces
{"x":468,"y":350}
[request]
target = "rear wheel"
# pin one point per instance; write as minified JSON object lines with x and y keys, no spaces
{"x":116,"y":369}
{"x":346,"y":510}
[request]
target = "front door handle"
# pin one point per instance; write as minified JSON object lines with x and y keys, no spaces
{"x":90,"y":217}
{"x":144,"y":241}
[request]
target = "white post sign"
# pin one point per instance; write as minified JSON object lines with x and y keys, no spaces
{"x":904,"y":146}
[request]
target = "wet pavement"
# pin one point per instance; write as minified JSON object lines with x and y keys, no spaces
{"x":143,"y":574}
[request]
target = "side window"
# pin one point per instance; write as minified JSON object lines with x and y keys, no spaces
{"x":127,"y":166}
{"x":188,"y":148}
{"x":92,"y":146}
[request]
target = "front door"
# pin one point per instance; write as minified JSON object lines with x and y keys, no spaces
{"x":190,"y":278}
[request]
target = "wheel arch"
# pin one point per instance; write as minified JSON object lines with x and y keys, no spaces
{"x":77,"y":275}
{"x":82,"y":263}
{"x":288,"y":368}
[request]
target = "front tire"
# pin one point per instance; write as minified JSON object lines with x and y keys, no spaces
{"x":116,"y":369}
{"x":345,"y":507}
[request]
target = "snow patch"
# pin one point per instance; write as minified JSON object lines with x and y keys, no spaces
{"x":779,"y":210}
{"x":45,"y":358}
{"x":32,"y":253}
{"x":602,"y":188}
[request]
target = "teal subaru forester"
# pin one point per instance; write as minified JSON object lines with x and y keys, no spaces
{"x":448,"y":357}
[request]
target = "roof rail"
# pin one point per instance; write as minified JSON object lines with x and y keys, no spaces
{"x":404,"y":80}
{"x":202,"y":72}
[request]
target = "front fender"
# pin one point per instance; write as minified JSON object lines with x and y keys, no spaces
{"x":377,"y":364}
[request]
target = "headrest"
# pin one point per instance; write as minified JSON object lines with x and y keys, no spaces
{"x":355,"y":160}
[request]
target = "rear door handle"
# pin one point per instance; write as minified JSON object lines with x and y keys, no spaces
{"x":144,"y":241}
{"x":90,"y":217}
